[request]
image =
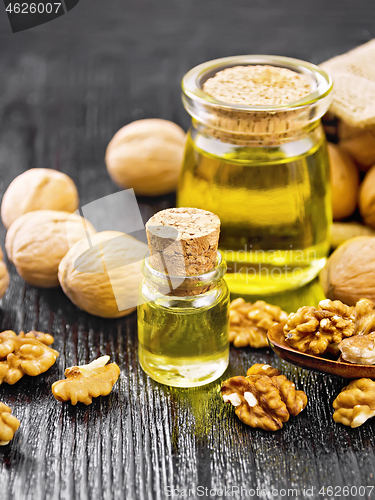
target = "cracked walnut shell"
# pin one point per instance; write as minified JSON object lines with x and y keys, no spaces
{"x":24,"y":355}
{"x":356,"y":403}
{"x":249,"y":323}
{"x":8,"y":424}
{"x":313,"y":330}
{"x":85,"y":382}
{"x":264,"y":398}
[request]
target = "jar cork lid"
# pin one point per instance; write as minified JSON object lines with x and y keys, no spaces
{"x":258,"y":85}
{"x":183,"y":241}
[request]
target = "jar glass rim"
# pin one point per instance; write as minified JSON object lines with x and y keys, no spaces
{"x":192,"y":82}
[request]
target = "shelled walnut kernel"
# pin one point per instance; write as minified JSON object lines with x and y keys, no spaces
{"x":264,"y":398}
{"x":85,"y":382}
{"x":23,"y":355}
{"x":359,"y":349}
{"x":312,"y":330}
{"x":356,"y":403}
{"x":44,"y":338}
{"x":249,"y":323}
{"x":8,"y":424}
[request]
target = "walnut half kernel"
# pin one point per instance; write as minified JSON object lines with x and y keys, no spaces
{"x":264,"y":398}
{"x":8,"y":424}
{"x":359,"y":349}
{"x":249,"y":323}
{"x":87,"y":381}
{"x":313,"y":330}
{"x":356,"y":403}
{"x":25,"y":354}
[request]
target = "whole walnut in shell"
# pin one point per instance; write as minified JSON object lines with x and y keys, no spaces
{"x":37,"y":241}
{"x":103,"y":279}
{"x":359,"y":144}
{"x":4,"y":276}
{"x":344,"y":231}
{"x":146,"y":155}
{"x":345,"y":182}
{"x":349,"y":273}
{"x":38,"y":189}
{"x":367,"y":198}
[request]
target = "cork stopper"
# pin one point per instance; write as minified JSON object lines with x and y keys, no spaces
{"x":183,"y":241}
{"x":257,"y":85}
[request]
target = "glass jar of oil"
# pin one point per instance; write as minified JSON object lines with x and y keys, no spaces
{"x":183,"y":337}
{"x":263,"y":169}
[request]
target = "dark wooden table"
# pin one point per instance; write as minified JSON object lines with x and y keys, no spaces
{"x":65,"y":89}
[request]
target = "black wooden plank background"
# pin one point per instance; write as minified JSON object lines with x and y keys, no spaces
{"x":65,"y":89}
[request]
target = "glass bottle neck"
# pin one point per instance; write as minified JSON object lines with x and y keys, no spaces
{"x":244,"y":139}
{"x":252,"y":152}
{"x":184,"y":285}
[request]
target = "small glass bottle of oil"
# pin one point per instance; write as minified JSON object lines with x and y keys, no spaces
{"x":256,"y":156}
{"x":183,"y":302}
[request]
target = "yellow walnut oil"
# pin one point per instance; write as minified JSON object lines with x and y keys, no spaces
{"x":274,"y":205}
{"x":183,"y":341}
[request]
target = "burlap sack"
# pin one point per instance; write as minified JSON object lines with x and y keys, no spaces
{"x":353,"y":76}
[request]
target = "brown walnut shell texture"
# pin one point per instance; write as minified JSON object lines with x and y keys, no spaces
{"x":349,"y":274}
{"x":37,"y":241}
{"x":38,"y":189}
